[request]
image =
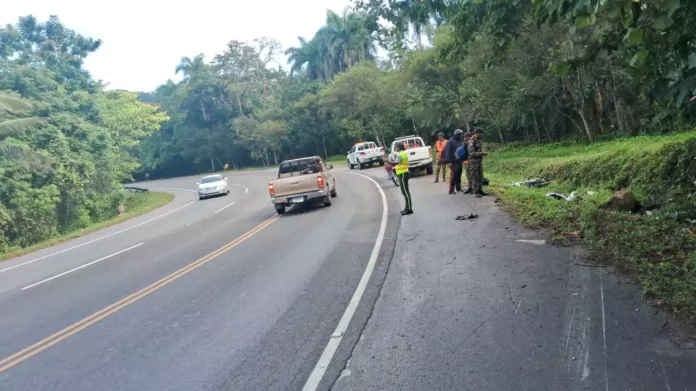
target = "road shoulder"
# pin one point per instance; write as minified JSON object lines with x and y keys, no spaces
{"x":485,"y":304}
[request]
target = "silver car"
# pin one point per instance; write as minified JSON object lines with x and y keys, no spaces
{"x":212,"y":185}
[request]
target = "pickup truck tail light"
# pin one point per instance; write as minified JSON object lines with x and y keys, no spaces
{"x":362,"y":153}
{"x":271,"y":189}
{"x":381,"y":149}
{"x":320,"y":182}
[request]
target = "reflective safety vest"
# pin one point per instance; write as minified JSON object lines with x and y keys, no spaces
{"x":439,"y":147}
{"x":403,"y":166}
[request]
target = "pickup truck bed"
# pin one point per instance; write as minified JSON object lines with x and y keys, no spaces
{"x":420,"y":156}
{"x":298,"y":184}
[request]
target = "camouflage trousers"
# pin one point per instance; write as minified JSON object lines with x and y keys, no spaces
{"x":468,"y":175}
{"x":475,"y":171}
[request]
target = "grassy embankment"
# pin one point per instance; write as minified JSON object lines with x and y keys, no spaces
{"x":135,"y":204}
{"x":658,"y":249}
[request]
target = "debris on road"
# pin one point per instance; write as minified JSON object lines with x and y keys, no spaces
{"x":532,"y":183}
{"x":572,"y":197}
{"x":469,"y":217}
{"x":557,"y":196}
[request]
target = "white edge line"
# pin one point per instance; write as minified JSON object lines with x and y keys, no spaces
{"x":226,"y":206}
{"x":604,"y":332}
{"x":246,"y":190}
{"x":80,"y":267}
{"x":326,"y":357}
{"x":97,"y":239}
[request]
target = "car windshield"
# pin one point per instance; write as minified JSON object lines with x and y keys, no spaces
{"x":211,"y":179}
{"x":295,"y":166}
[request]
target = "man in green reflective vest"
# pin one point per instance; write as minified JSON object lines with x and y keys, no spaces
{"x":400,"y":164}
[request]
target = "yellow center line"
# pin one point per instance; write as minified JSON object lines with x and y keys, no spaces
{"x":76,"y":327}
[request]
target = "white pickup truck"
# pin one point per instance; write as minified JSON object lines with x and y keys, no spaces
{"x":365,"y":154}
{"x":420,"y":156}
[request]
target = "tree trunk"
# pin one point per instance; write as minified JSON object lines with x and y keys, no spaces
{"x":374,"y":130}
{"x":536,"y":129}
{"x":275,"y":157}
{"x":585,"y":124}
{"x":323,"y":142}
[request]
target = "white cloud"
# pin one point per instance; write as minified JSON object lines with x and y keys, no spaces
{"x":143,"y":40}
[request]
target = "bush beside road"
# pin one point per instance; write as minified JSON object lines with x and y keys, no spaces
{"x":135,"y":204}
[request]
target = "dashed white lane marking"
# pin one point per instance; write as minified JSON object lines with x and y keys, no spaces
{"x":226,"y":206}
{"x":537,"y":242}
{"x":325,"y":359}
{"x":246,"y":189}
{"x":95,"y":240}
{"x":81,"y":267}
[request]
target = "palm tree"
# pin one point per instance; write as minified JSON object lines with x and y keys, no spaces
{"x":345,"y":40}
{"x":190,"y":66}
{"x":12,"y":123}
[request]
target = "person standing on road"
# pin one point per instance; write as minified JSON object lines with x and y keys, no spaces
{"x":400,"y":163}
{"x":476,"y":154}
{"x":441,"y":163}
{"x":455,"y":184}
{"x":465,"y":142}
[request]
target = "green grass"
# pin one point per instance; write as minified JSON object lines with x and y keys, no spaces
{"x":657,"y":249}
{"x":136,"y":204}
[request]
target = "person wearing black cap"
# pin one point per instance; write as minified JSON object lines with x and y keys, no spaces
{"x":455,"y":163}
{"x":476,"y":154}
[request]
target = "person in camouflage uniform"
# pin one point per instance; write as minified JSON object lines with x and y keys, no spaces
{"x":469,"y":190}
{"x":476,"y":154}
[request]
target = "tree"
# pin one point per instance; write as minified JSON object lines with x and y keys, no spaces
{"x":12,"y":123}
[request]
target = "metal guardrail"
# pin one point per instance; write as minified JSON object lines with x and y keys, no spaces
{"x":136,"y":189}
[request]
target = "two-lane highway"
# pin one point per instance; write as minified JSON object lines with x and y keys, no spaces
{"x":213,"y":294}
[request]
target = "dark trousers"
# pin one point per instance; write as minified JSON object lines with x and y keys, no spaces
{"x":403,"y":183}
{"x":455,"y":177}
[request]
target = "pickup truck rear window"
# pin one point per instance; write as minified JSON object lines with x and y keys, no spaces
{"x":294,"y":166}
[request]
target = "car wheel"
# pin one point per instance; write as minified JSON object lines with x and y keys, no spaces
{"x":201,"y":198}
{"x":333,"y":192}
{"x":350,"y":166}
{"x":429,"y":169}
{"x":280,"y":209}
{"x":327,"y":201}
{"x":381,"y":163}
{"x":360,"y":165}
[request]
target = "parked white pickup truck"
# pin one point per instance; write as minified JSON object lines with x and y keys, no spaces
{"x":365,"y":154}
{"x":420,"y":156}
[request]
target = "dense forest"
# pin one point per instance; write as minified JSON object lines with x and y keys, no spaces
{"x":525,"y":71}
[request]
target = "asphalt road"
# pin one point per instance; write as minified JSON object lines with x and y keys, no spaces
{"x":222,"y":294}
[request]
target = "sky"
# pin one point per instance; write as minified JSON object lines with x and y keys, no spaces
{"x":144,"y":40}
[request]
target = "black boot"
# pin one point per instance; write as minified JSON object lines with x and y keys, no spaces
{"x":469,"y":191}
{"x":406,"y":212}
{"x":483,"y":193}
